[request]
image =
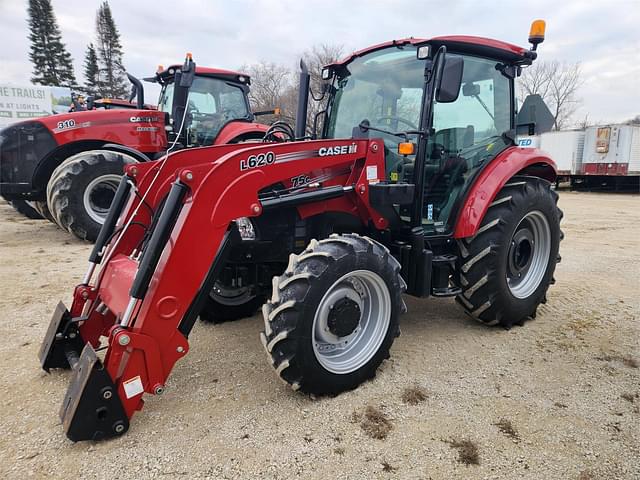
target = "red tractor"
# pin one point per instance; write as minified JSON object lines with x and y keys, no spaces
{"x":69,"y":165}
{"x":415,"y":185}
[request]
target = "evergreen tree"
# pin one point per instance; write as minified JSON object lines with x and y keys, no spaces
{"x":52,"y":63}
{"x":113,"y":82}
{"x":91,"y":70}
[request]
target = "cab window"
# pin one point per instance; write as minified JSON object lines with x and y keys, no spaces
{"x":468,"y":134}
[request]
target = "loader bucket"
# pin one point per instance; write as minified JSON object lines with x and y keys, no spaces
{"x":92,"y":409}
{"x":62,"y":342}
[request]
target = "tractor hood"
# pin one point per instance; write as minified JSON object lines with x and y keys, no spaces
{"x":76,"y":124}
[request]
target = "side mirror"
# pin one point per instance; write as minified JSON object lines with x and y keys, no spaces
{"x":450,"y":80}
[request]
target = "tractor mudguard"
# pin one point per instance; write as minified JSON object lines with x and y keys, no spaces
{"x":512,"y":161}
{"x":235,"y":130}
{"x":116,"y":147}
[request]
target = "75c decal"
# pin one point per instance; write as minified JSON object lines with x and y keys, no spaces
{"x":255,"y":161}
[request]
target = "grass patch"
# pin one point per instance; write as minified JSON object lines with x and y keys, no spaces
{"x":626,"y":360}
{"x":468,"y":453}
{"x":506,"y":427}
{"x":374,"y":422}
{"x":387,"y":467}
{"x":414,"y":395}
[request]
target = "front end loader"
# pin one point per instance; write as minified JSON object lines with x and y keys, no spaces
{"x":415,"y":185}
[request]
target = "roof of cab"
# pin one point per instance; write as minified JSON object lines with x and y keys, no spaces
{"x":464,"y":43}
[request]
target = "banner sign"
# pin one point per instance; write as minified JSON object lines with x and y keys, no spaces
{"x":22,"y":102}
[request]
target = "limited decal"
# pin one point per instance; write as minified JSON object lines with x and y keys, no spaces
{"x":338,"y":150}
{"x":260,"y":160}
{"x":66,"y":124}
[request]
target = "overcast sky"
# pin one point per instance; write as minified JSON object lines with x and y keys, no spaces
{"x":604,"y":36}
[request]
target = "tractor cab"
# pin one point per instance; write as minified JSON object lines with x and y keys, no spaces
{"x":201,"y":101}
{"x":444,"y":107}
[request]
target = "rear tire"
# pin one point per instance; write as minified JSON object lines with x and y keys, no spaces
{"x":81,"y":189}
{"x":333,"y":314}
{"x":506,"y":268}
{"x":24,"y":208}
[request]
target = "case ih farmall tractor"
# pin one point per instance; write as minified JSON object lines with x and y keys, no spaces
{"x":69,"y":165}
{"x":415,"y":186}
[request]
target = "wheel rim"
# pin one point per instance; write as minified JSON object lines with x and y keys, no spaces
{"x":528,"y":255}
{"x":231,"y":296}
{"x":345,"y":342}
{"x":98,"y":196}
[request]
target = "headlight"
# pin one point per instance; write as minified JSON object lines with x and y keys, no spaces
{"x":247,"y":232}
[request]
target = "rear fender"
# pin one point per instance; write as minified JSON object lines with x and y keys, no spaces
{"x":236,"y":131}
{"x":512,"y":161}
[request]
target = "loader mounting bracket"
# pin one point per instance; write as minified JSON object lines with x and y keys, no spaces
{"x":62,"y":339}
{"x":92,"y":409}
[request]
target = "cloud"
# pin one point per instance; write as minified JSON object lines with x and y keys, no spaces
{"x":226,"y":34}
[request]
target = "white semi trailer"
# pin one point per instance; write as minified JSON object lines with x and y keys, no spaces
{"x":605,"y":157}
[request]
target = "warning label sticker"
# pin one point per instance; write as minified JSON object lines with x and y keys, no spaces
{"x":133,"y":387}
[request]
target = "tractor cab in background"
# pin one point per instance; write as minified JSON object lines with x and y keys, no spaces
{"x":202,"y":101}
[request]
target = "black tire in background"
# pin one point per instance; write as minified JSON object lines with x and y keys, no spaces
{"x":25,"y":208}
{"x":43,"y":209}
{"x":220,"y":308}
{"x":300,"y":339}
{"x":506,"y":268}
{"x":81,"y":189}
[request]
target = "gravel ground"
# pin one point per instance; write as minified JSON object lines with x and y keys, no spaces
{"x":555,"y":399}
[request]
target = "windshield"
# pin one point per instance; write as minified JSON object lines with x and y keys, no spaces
{"x":212,"y":104}
{"x":383,"y":88}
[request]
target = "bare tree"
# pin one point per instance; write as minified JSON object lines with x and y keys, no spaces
{"x":271,"y":87}
{"x":633,"y":121}
{"x":558,"y":84}
{"x":316,"y":58}
{"x":274,"y":85}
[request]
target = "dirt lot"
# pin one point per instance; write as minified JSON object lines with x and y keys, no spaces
{"x":558,"y":398}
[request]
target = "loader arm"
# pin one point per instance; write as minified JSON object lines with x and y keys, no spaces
{"x":146,"y":296}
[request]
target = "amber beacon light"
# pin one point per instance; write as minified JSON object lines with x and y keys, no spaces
{"x":536,"y":33}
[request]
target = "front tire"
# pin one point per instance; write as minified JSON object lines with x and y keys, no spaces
{"x":81,"y":189}
{"x":506,"y":268}
{"x":333,"y":315}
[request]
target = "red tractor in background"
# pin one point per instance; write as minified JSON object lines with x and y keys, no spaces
{"x":69,"y":165}
{"x":414,"y":185}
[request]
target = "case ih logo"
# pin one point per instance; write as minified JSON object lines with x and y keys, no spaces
{"x":337,"y":150}
{"x":143,"y":119}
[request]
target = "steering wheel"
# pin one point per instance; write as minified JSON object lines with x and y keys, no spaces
{"x":397,"y":119}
